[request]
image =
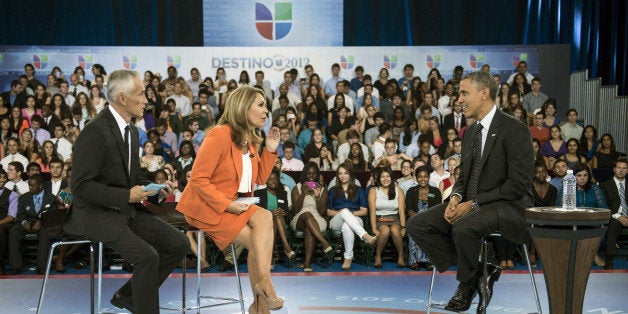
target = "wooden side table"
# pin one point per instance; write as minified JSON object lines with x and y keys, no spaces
{"x":567,"y":241}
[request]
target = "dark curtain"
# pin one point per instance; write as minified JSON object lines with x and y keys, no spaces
{"x":102,"y":23}
{"x":595,"y":30}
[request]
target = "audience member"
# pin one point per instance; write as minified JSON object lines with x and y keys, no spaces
{"x":605,"y":156}
{"x":8,"y":214}
{"x":615,"y":194}
{"x":13,"y":155}
{"x":537,"y":130}
{"x":289,"y":163}
{"x":560,"y":170}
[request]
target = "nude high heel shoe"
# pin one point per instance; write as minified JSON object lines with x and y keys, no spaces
{"x":263,"y":291}
{"x":258,"y":307}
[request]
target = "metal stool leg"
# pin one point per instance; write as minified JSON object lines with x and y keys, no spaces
{"x":47,"y":273}
{"x":429,"y":305}
{"x":532,"y":280}
{"x":483,"y":286}
{"x":226,"y":300}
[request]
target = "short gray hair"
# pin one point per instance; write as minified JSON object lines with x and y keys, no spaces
{"x":483,"y":80}
{"x":120,"y":81}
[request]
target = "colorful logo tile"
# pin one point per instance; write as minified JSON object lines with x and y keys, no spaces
{"x":433,"y":61}
{"x":273,"y":26}
{"x":347,"y":62}
{"x":390,"y":62}
{"x":173,"y":61}
{"x":40,"y":61}
{"x":86,"y":61}
{"x":476,"y":61}
{"x":129,"y":62}
{"x":518,"y":58}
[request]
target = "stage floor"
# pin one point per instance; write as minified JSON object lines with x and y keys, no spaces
{"x":324,"y":293}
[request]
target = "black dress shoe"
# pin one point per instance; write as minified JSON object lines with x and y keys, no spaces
{"x":609,"y":263}
{"x":461,"y":301}
{"x":493,"y":273}
{"x":122,"y":302}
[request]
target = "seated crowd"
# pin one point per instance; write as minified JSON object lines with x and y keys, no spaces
{"x":357,"y":156}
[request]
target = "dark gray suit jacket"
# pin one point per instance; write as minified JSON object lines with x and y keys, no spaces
{"x":507,"y":171}
{"x":100,"y":180}
{"x":611,"y":193}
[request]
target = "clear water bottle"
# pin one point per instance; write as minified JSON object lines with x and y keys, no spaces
{"x":569,"y":191}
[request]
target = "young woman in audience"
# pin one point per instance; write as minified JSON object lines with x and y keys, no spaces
{"x":338,"y":122}
{"x":432,"y":80}
{"x":367,"y":99}
{"x":98,"y":69}
{"x":553,"y":148}
{"x":399,"y":122}
{"x":368,"y":121}
{"x":521,"y":85}
{"x":87,"y":108}
{"x":606,"y":154}
{"x":18,"y":123}
{"x":220,"y":81}
{"x":46,"y":153}
{"x":57,"y":73}
{"x":392,"y":159}
{"x":414,"y":97}
{"x":448,"y":145}
{"x":409,"y":135}
{"x":155,"y":81}
{"x":28,"y":146}
{"x":434,"y":133}
{"x":309,"y":200}
{"x":149,"y":160}
{"x":313,"y":149}
{"x":5,"y":109}
{"x":71,"y":132}
{"x":549,"y":109}
{"x":5,"y":132}
{"x":356,"y":157}
{"x":59,"y":107}
{"x":521,"y":114}
{"x":382,"y":81}
{"x":96,"y":98}
{"x":589,"y":142}
{"x":186,"y":154}
{"x":406,"y":173}
{"x":536,"y":148}
{"x":147,"y":76}
{"x":588,"y":194}
{"x":384,"y":200}
{"x":346,"y":205}
{"x":316,"y":89}
{"x":339,"y":102}
{"x":244,"y":78}
{"x":439,"y":91}
{"x":30,"y":109}
{"x":275,"y":199}
{"x":502,"y":96}
{"x":294,"y":126}
{"x":418,"y":199}
{"x":41,"y":97}
{"x":428,"y":99}
{"x":573,"y":157}
{"x":185,"y":89}
{"x":544,"y":193}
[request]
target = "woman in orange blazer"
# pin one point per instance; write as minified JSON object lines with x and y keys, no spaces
{"x":226,"y":167}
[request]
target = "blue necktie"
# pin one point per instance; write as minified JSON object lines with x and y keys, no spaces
{"x":37,"y":203}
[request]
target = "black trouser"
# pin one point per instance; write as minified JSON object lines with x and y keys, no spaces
{"x":612,"y":234}
{"x":4,"y":239}
{"x":504,"y":249}
{"x":458,"y":244}
{"x":16,"y":235}
{"x":154,"y":248}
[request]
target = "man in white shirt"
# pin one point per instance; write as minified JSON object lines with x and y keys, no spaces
{"x":194,"y":82}
{"x":570,"y":129}
{"x":522,"y":68}
{"x":379,"y":148}
{"x":64,"y":90}
{"x":288,"y":81}
{"x":56,"y":183}
{"x":439,"y":173}
{"x":14,"y":174}
{"x":293,"y":100}
{"x":63,"y":146}
{"x":182,"y":102}
{"x":76,"y":87}
{"x":289,"y":163}
{"x":443,"y":102}
{"x":13,"y":154}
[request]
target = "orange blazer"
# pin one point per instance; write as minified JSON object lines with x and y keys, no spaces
{"x":216,"y":176}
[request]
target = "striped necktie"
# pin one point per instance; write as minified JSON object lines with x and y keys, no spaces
{"x":472,"y":188}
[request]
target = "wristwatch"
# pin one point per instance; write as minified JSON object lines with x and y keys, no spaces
{"x":474,"y":205}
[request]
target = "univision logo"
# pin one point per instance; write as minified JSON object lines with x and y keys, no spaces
{"x":273,"y":28}
{"x":347,"y":62}
{"x":390,"y":62}
{"x":173,"y":61}
{"x":476,"y":62}
{"x":518,"y":58}
{"x":40,"y":61}
{"x":85,"y":62}
{"x":433,"y":62}
{"x":130,"y":62}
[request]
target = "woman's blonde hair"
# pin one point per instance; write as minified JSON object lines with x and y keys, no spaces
{"x":236,"y":114}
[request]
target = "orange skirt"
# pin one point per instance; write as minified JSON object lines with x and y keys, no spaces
{"x":229,"y":227}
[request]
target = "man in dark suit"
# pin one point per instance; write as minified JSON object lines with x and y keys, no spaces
{"x":491,"y":193}
{"x":455,"y":120}
{"x":30,"y":205}
{"x":16,"y":96}
{"x":107,"y":190}
{"x":56,"y":183}
{"x":615,"y":193}
{"x":50,"y":120}
{"x":8,"y":214}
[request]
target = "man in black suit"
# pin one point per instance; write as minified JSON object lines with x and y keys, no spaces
{"x":491,"y":193}
{"x":56,"y":183}
{"x":30,"y":205}
{"x":107,"y":190}
{"x":615,"y":193}
{"x":16,"y":96}
{"x":50,"y":120}
{"x":455,"y":120}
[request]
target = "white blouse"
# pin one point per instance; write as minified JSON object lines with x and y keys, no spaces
{"x":247,"y":174}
